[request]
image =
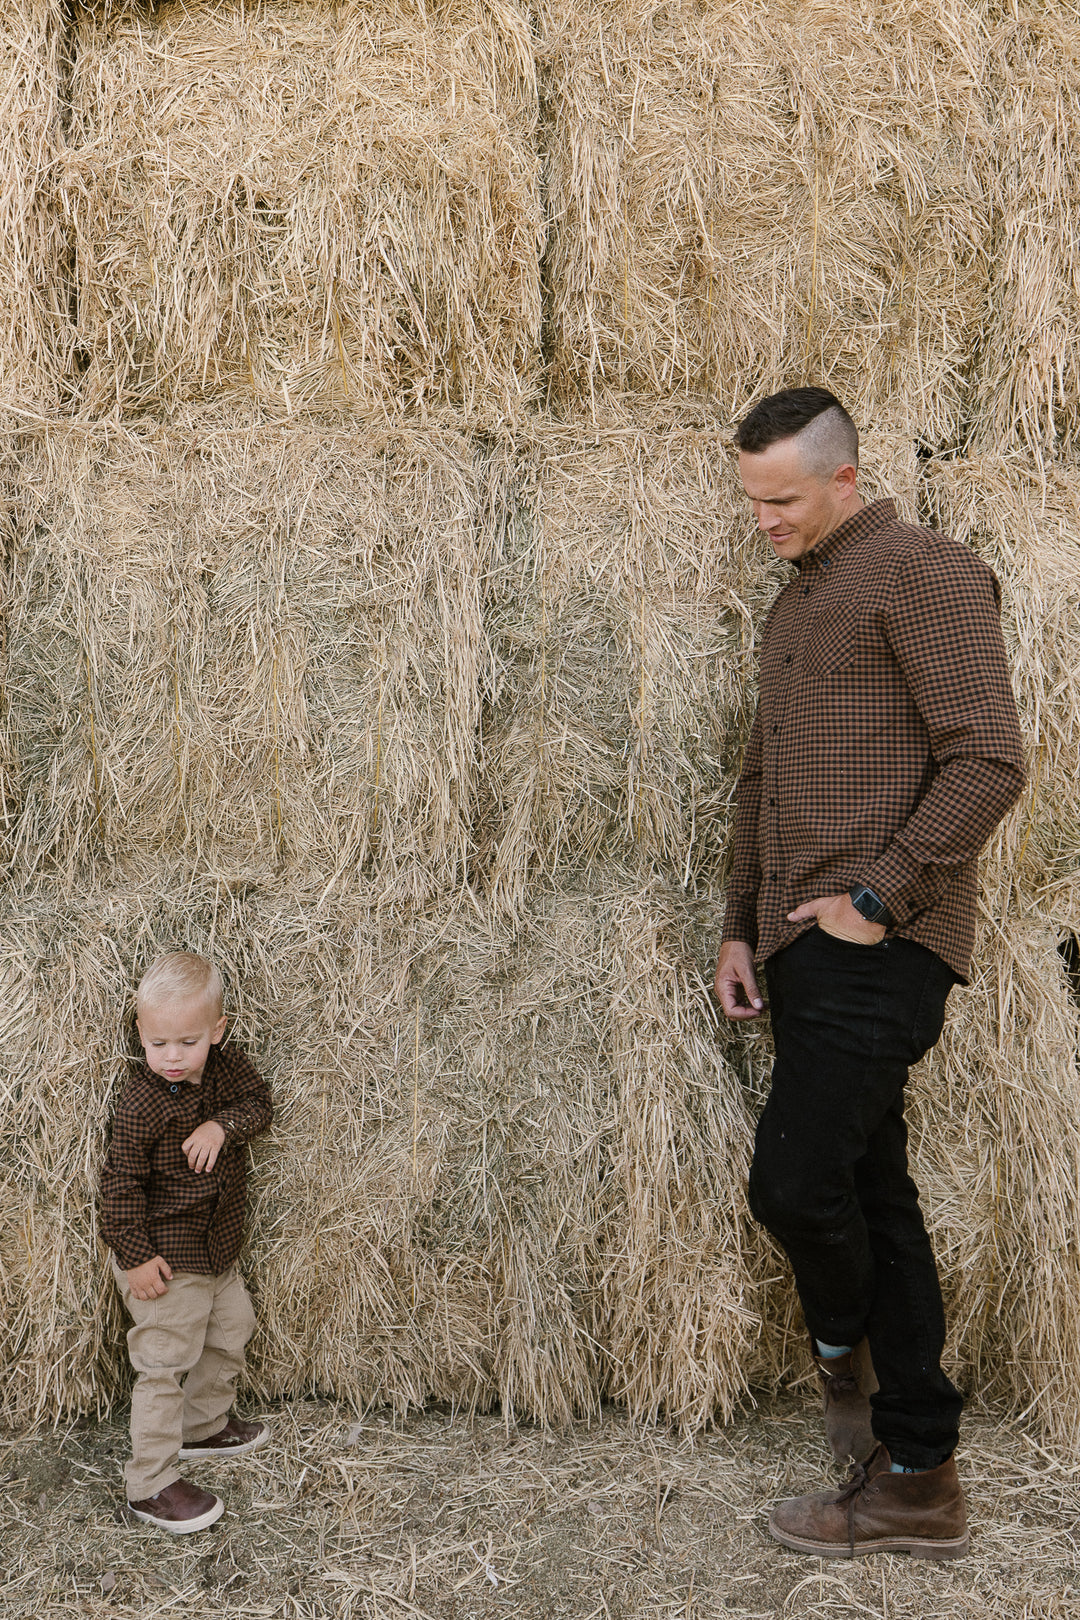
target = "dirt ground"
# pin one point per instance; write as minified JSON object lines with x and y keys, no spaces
{"x":448,"y":1518}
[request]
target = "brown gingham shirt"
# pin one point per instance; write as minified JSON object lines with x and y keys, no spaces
{"x":886,"y":745}
{"x":152,"y":1202}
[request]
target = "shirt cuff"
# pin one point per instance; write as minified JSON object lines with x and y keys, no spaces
{"x":903,"y":887}
{"x":740,"y":921}
{"x":137,"y":1254}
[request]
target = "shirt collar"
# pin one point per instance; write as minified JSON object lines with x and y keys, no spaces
{"x":868,"y":520}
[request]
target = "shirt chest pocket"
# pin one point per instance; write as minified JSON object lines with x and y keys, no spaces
{"x":839,"y":640}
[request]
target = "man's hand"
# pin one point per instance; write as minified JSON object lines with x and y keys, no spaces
{"x":151,"y":1279}
{"x":736,"y":985}
{"x":836,"y":915}
{"x":203,"y":1145}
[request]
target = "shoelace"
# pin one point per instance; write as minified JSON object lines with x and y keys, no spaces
{"x":837,"y":1385}
{"x":853,"y":1489}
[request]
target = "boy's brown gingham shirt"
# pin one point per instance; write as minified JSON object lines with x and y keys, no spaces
{"x":152,"y":1202}
{"x":886,"y":745}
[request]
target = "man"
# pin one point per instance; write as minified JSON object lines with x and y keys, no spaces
{"x":884,"y":751}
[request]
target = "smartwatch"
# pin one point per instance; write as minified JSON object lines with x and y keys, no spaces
{"x":868,"y":905}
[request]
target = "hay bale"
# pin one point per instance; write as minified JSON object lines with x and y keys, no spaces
{"x":509,"y":1158}
{"x":506,"y":1166}
{"x":1025,"y":522}
{"x":248,"y":647}
{"x":624,"y":612}
{"x":746,"y":197}
{"x":431,"y":739}
{"x":35,"y":325}
{"x":306,"y":204}
{"x":1028,"y":373}
{"x":684,"y":1279}
{"x":996,"y":1142}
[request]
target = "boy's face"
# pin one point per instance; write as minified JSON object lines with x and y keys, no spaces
{"x":177,"y":1035}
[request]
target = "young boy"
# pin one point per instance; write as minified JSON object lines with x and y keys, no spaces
{"x":173,"y":1195}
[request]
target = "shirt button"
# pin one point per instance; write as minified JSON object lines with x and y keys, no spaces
{"x":787,"y":660}
{"x":772,"y":804}
{"x":772,"y":877}
{"x":806,"y":590}
{"x":775,"y":729}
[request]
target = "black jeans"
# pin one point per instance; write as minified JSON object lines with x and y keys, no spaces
{"x":830,"y":1177}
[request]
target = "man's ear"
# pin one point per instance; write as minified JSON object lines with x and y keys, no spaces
{"x":845,"y":478}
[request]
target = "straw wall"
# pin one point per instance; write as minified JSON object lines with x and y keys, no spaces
{"x":254,"y":647}
{"x":306,"y":204}
{"x":35,"y":328}
{"x":499,"y":1168}
{"x":743,"y":194}
{"x":1029,"y":366}
{"x":624,"y":613}
{"x":381,"y":612}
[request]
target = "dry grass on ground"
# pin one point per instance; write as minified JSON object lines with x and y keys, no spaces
{"x":438,"y":1517}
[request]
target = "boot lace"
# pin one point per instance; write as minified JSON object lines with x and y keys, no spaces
{"x":857,"y":1482}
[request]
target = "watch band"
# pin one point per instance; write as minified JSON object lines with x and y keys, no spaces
{"x":868,"y":905}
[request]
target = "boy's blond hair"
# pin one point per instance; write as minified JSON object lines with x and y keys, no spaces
{"x":180,"y":976}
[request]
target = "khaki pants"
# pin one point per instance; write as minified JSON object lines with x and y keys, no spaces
{"x":188,"y":1350}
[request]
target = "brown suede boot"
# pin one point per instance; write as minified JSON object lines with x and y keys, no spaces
{"x":877,"y":1511}
{"x":847,"y":1382}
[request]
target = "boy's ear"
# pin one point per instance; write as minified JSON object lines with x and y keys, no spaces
{"x":219,"y":1030}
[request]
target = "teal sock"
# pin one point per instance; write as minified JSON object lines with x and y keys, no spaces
{"x":829,"y":1352}
{"x":898,"y":1468}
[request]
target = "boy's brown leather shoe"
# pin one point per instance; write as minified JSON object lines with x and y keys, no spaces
{"x":180,"y":1508}
{"x":847,"y":1383}
{"x":234,"y":1440}
{"x":878,"y":1511}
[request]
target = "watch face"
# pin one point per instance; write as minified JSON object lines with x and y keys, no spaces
{"x":867,"y":905}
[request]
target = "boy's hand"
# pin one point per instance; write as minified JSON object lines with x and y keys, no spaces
{"x":151,"y":1279}
{"x":203,"y":1145}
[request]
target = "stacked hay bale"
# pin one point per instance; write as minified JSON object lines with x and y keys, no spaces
{"x":306,"y":205}
{"x":35,"y":326}
{"x":1007,"y":1068}
{"x":1028,"y":369}
{"x":500,"y":1166}
{"x":508,"y":1142}
{"x":254,"y":647}
{"x":400,"y":651}
{"x":1008,"y":1065}
{"x":841,"y":183}
{"x":743,"y":196}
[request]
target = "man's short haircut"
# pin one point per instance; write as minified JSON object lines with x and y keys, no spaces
{"x":180,"y":976}
{"x":827,"y":436}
